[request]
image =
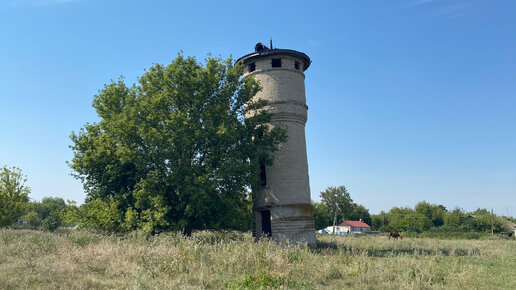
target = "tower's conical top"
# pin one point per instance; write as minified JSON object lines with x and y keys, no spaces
{"x":261,"y":50}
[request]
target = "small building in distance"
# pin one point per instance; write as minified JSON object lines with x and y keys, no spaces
{"x":350,"y":227}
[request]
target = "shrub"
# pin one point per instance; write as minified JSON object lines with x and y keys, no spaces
{"x":51,"y":222}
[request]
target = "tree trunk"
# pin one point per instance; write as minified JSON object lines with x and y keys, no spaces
{"x":334,"y":221}
{"x":187,"y":231}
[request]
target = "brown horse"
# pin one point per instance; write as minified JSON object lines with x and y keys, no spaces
{"x":395,"y":235}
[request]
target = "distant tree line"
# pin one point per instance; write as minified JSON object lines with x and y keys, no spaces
{"x":434,"y":217}
{"x":336,"y":206}
{"x":17,"y":209}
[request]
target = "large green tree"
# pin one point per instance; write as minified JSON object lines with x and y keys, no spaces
{"x":175,"y":151}
{"x":360,"y":212}
{"x":322,"y":216}
{"x":338,"y":202}
{"x":14,"y":195}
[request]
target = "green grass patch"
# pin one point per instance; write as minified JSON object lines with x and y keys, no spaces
{"x":215,"y":260}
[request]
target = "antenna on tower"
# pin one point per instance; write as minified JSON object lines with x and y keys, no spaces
{"x":271,"y":42}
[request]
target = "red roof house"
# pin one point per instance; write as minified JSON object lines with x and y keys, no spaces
{"x":349,"y":227}
{"x":354,"y":227}
{"x":355,"y":224}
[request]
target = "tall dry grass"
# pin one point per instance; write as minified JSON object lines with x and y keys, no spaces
{"x":81,"y":260}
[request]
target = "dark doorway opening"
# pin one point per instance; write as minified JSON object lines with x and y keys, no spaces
{"x":266,"y":223}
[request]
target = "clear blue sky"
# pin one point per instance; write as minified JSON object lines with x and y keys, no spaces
{"x":409,"y":100}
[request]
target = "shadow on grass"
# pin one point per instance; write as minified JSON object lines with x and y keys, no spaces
{"x":324,"y":247}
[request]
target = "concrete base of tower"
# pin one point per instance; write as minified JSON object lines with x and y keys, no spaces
{"x":293,"y":223}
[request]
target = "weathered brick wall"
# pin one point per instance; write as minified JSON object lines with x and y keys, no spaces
{"x":287,"y":194}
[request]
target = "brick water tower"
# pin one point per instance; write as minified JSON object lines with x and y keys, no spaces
{"x":282,"y":206}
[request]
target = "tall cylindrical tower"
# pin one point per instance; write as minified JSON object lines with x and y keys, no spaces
{"x":282,"y":206}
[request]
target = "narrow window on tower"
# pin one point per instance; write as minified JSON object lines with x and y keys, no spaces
{"x":263,"y":174}
{"x":276,"y":62}
{"x":296,"y":65}
{"x":252,"y":67}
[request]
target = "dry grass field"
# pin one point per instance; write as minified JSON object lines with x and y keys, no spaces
{"x":81,"y":260}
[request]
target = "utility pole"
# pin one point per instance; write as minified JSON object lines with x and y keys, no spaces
{"x":492,"y":226}
{"x":334,"y":221}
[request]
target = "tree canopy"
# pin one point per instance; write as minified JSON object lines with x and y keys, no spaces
{"x":436,"y":218}
{"x":14,"y":194}
{"x":338,"y":202}
{"x":47,"y":214}
{"x":174,"y":151}
{"x":336,"y":205}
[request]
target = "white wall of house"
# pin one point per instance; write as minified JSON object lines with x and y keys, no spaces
{"x":361,"y":230}
{"x":343,"y":230}
{"x":339,"y":230}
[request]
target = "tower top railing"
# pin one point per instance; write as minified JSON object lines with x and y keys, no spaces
{"x":262,"y":51}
